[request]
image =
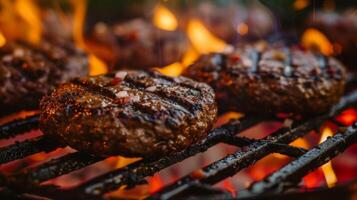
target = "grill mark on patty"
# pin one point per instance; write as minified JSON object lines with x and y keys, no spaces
{"x":162,"y":93}
{"x":129,"y":111}
{"x":174,"y":100}
{"x":296,"y":78}
{"x":95,"y":89}
{"x":168,"y":101}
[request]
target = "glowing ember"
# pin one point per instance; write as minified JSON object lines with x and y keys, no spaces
{"x":314,"y":39}
{"x":242,"y":29}
{"x":155,"y":183}
{"x":164,"y":19}
{"x":327,"y":169}
{"x":228,"y":185}
{"x":2,"y":40}
{"x":300,"y":142}
{"x":226,"y":117}
{"x":348,"y":116}
{"x":203,"y":41}
{"x":19,"y":115}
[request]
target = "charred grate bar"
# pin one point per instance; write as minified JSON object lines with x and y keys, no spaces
{"x":27,"y":182}
{"x":292,"y":173}
{"x":19,"y":126}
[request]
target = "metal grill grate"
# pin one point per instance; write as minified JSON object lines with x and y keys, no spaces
{"x":26,"y":183}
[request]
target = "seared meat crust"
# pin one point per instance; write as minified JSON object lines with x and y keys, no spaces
{"x":271,"y":80}
{"x":28,"y":72}
{"x":130,"y":113}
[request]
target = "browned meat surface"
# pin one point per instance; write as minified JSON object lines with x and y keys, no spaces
{"x":28,"y":72}
{"x":271,"y":80}
{"x":130,"y":113}
{"x":138,"y":44}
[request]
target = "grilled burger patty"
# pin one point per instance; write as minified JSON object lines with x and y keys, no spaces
{"x":28,"y":72}
{"x":139,"y":38}
{"x":271,"y":80}
{"x":130,"y":113}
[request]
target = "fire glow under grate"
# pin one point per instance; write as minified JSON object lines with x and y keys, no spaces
{"x":27,"y":181}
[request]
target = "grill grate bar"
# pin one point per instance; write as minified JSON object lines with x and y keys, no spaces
{"x":136,"y":172}
{"x":26,"y":148}
{"x":292,"y":173}
{"x":288,"y":150}
{"x":18,"y":126}
{"x":52,"y":169}
{"x":233,"y":163}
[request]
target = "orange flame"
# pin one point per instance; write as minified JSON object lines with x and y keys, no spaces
{"x":175,"y":69}
{"x":202,"y":40}
{"x":30,"y":13}
{"x":2,"y":40}
{"x":21,"y":19}
{"x":78,"y":21}
{"x":123,"y":161}
{"x":164,"y":19}
{"x":96,"y":66}
{"x":300,"y":142}
{"x":314,"y":39}
{"x":327,"y":169}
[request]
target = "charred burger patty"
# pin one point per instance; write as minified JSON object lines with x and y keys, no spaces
{"x":28,"y":72}
{"x":271,"y":80}
{"x":130,"y":113}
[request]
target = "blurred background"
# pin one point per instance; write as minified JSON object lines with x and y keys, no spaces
{"x":171,"y":34}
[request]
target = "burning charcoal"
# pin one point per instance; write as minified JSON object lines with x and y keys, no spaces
{"x":144,"y":115}
{"x":273,"y":80}
{"x":28,"y":72}
{"x":139,"y":44}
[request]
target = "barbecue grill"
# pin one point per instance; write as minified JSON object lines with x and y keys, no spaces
{"x":198,"y":184}
{"x":206,"y":32}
